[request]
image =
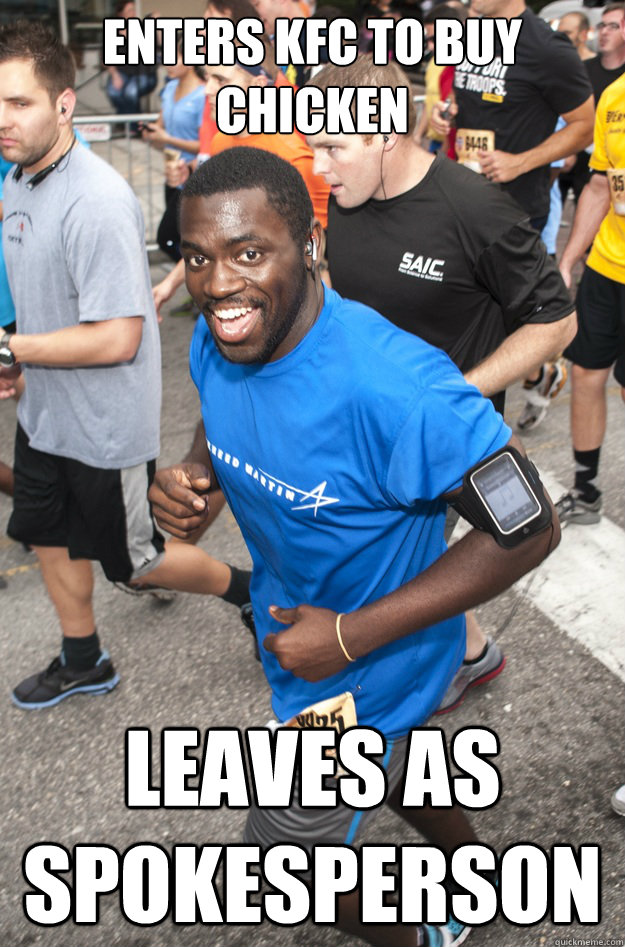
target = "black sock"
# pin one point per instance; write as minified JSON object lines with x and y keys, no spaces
{"x":479,"y":657}
{"x":586,"y":472}
{"x":82,"y":653}
{"x":238,"y":592}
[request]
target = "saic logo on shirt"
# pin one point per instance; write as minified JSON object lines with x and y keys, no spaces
{"x":425,"y":267}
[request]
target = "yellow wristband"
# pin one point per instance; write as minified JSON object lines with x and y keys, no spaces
{"x":340,"y":638}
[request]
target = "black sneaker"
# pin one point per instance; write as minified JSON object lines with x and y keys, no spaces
{"x":58,"y":681}
{"x":163,"y":596}
{"x":247,"y":617}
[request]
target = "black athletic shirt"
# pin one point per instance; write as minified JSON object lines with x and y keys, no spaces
{"x":453,"y":260}
{"x":601,"y":78}
{"x":521,"y":103}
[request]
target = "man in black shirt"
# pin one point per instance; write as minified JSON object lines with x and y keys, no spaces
{"x":606,"y":68}
{"x":445,"y":255}
{"x":521,"y":103}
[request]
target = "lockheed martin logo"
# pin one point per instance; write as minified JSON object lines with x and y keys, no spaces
{"x":312,"y":499}
{"x":308,"y":499}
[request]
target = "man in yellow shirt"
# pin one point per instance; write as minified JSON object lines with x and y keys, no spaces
{"x":600,"y":341}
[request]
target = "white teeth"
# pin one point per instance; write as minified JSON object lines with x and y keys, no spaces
{"x":231,"y":313}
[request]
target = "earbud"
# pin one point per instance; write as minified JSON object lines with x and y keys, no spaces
{"x":63,"y":110}
{"x":385,"y":138}
{"x":311,"y":249}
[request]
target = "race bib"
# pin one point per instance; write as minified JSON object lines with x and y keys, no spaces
{"x":616,"y":180}
{"x":470,"y":142}
{"x":338,"y":712}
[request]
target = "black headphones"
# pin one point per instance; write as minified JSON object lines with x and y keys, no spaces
{"x":63,"y":110}
{"x":385,"y":138}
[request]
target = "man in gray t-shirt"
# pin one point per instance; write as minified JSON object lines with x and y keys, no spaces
{"x":87,"y":342}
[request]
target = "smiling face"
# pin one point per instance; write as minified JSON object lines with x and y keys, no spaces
{"x":351,"y":164}
{"x":247,"y":274}
{"x":30,"y":123}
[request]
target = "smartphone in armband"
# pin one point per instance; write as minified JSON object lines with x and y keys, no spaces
{"x":503,"y":495}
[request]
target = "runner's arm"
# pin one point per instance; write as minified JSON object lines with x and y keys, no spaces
{"x":521,"y":353}
{"x":502,"y":166}
{"x":164,"y":290}
{"x":593,"y":205}
{"x":472,"y":571}
{"x":108,"y":342}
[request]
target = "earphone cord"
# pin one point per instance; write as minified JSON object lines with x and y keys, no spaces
{"x":381,"y":174}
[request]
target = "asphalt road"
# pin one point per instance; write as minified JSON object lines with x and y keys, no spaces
{"x":558,"y":712}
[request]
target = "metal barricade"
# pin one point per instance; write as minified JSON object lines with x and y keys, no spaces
{"x":114,"y":138}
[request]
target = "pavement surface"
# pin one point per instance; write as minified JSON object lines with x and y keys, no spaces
{"x":557,"y":708}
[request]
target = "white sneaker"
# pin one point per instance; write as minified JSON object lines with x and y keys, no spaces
{"x":618,"y":800}
{"x":540,"y":394}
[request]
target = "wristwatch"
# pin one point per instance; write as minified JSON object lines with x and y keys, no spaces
{"x":7,"y":358}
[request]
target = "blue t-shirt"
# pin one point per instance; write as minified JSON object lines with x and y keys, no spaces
{"x":333,"y":459}
{"x":183,"y":118}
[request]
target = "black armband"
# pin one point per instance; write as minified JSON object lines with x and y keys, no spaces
{"x":503,"y":495}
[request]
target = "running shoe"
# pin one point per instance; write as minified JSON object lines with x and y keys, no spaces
{"x":247,"y":617}
{"x":618,"y":800}
{"x":451,"y":934}
{"x":540,"y":394}
{"x":572,"y":508}
{"x":58,"y":681}
{"x":164,"y":596}
{"x":489,"y":666}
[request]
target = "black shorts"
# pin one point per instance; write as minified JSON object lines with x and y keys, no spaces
{"x":600,"y":339}
{"x":95,"y":514}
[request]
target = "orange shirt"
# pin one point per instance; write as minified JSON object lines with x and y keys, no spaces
{"x":207,"y":129}
{"x":291,"y":148}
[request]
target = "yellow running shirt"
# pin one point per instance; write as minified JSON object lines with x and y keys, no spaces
{"x":608,"y":251}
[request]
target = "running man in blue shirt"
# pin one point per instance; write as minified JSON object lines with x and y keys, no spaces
{"x":337,"y":439}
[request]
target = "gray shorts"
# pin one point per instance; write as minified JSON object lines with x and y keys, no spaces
{"x":339,"y":825}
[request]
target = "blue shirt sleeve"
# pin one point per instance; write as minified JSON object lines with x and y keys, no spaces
{"x":451,"y":428}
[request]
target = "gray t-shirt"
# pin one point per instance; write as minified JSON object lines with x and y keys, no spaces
{"x":75,"y":252}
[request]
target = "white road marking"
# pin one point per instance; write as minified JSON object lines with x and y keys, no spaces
{"x":581,"y":586}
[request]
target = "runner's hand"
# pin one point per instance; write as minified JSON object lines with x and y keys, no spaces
{"x":440,"y":125}
{"x":176,"y":173}
{"x":178,"y":498}
{"x":500,"y":166}
{"x":8,"y":381}
{"x":309,"y":648}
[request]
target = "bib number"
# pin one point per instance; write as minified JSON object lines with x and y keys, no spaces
{"x":616,"y":180}
{"x":470,"y":142}
{"x":337,"y":712}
